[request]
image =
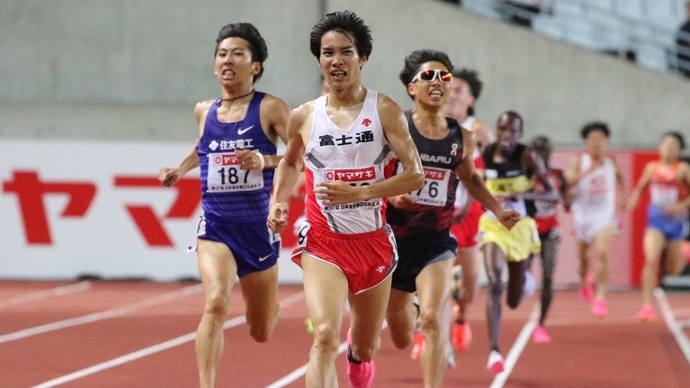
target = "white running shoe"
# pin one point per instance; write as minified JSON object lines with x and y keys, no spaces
{"x":530,"y":285}
{"x":495,"y":365}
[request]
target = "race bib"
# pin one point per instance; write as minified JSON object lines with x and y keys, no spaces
{"x":545,"y":208}
{"x":354,"y":177}
{"x":663,"y":195}
{"x":225,"y":174}
{"x":435,"y":189}
{"x":597,"y":200}
{"x":518,"y":206}
{"x":302,"y":233}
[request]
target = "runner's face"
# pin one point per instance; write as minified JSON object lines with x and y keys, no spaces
{"x":669,"y":148}
{"x":340,"y":63}
{"x":459,"y":99}
{"x":543,"y":152}
{"x":508,"y":132}
{"x":596,"y":143}
{"x":430,"y":95}
{"x":233,"y":62}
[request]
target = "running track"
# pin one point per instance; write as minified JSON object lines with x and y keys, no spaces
{"x":141,"y":334}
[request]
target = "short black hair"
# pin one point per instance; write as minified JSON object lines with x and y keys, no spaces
{"x":419,"y":57}
{"x":472,"y":78}
{"x":511,"y":114}
{"x":541,"y":142}
{"x":595,"y":126}
{"x":346,"y":22}
{"x":679,"y":136}
{"x":246,"y":31}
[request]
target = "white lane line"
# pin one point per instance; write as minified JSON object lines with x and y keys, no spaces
{"x":44,"y":294}
{"x":672,"y":325}
{"x":189,"y":290}
{"x":189,"y":337}
{"x":302,"y":370}
{"x":518,"y":347}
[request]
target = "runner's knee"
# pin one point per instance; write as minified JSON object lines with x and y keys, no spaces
{"x":217,"y":305}
{"x":429,"y":322}
{"x":326,"y":338}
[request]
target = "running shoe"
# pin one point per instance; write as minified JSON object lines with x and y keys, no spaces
{"x":530,"y":285}
{"x":646,"y":314}
{"x":462,"y":336}
{"x":587,"y":289}
{"x":495,"y":365}
{"x":599,"y":308}
{"x":540,"y":336}
{"x":451,"y":359}
{"x":359,"y":375}
{"x":417,"y":345}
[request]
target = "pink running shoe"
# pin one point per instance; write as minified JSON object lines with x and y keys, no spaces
{"x":462,"y":336}
{"x":359,"y":375}
{"x":646,"y":314}
{"x":540,"y":336}
{"x":495,"y":365}
{"x":417,"y":345}
{"x":599,"y":308}
{"x":587,"y":289}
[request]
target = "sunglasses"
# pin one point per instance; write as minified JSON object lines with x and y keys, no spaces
{"x":432,"y":74}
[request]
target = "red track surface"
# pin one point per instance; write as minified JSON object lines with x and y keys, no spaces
{"x":140,"y":334}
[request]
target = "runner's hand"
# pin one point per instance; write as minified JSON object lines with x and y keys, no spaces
{"x":336,"y":193}
{"x":508,"y":218}
{"x":168,"y":176}
{"x":277,"y":217}
{"x":402,"y":201}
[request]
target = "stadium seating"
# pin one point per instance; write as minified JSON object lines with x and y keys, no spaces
{"x":640,"y":30}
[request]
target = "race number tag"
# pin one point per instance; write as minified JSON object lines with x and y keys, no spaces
{"x":545,"y":208}
{"x":508,"y":204}
{"x":225,"y":174}
{"x":354,"y":177}
{"x":435,"y":189}
{"x":663,"y":195}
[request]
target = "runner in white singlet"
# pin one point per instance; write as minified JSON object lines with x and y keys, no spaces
{"x":595,"y":180}
{"x":342,"y":141}
{"x":594,"y":207}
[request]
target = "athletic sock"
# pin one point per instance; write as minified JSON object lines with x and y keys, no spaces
{"x":351,"y":358}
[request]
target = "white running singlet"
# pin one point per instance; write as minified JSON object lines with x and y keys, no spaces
{"x":461,"y":195}
{"x":594,"y":205}
{"x":356,"y":155}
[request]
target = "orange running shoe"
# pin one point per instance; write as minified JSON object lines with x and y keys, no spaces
{"x":462,"y":336}
{"x":417,"y":345}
